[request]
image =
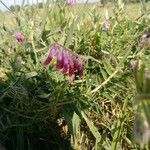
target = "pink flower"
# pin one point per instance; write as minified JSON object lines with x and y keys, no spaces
{"x":106,"y":24}
{"x":70,"y":2}
{"x":19,"y":36}
{"x":67,"y":62}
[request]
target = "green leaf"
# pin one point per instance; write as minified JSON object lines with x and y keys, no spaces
{"x":108,"y":68}
{"x":104,"y":74}
{"x":31,"y":74}
{"x":139,"y":76}
{"x":76,"y":129}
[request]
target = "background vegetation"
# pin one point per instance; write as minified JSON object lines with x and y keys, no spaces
{"x":42,"y":109}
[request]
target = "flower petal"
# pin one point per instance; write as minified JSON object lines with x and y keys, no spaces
{"x":59,"y":64}
{"x":80,"y":69}
{"x":75,"y":61}
{"x":65,"y":62}
{"x":78,"y":66}
{"x":52,"y":53}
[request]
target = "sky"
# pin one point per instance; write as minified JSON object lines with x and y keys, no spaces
{"x":18,"y":2}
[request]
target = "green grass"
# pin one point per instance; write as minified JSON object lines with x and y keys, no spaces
{"x":42,"y":109}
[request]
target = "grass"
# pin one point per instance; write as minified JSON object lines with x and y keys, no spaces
{"x":42,"y":109}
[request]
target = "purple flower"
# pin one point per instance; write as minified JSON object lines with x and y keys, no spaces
{"x":70,"y":2}
{"x":19,"y":36}
{"x":67,"y":62}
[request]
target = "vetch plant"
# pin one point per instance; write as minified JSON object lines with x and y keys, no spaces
{"x":68,"y":62}
{"x":94,"y":112}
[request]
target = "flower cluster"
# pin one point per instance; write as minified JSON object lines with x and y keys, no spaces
{"x":67,"y":62}
{"x":70,"y":2}
{"x":19,"y":36}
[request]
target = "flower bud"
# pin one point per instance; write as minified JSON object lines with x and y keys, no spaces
{"x":19,"y":36}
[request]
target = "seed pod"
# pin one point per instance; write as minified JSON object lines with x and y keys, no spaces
{"x":141,"y":129}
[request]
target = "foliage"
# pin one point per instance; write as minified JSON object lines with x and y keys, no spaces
{"x":39,"y":107}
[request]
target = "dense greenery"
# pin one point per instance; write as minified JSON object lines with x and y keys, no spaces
{"x":42,"y":109}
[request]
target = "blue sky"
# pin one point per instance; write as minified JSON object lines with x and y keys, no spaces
{"x":12,"y":2}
